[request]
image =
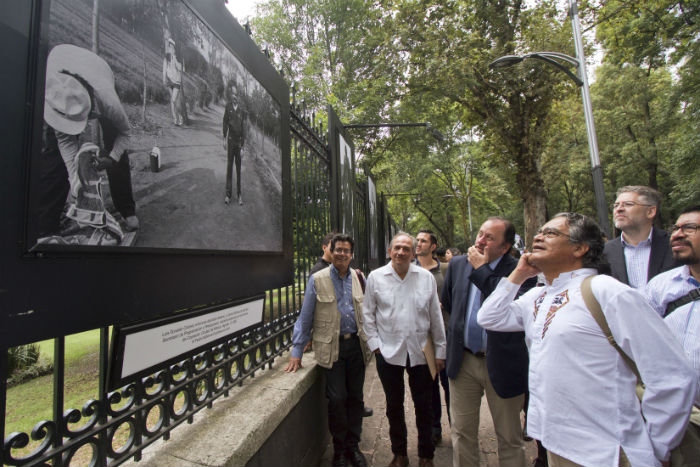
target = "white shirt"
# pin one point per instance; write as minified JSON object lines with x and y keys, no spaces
{"x":399,"y":314}
{"x":583,"y":404}
{"x":684,"y":321}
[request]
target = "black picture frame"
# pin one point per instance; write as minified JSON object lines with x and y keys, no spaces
{"x":56,"y":290}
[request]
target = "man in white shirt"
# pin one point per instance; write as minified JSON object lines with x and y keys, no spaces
{"x":675,"y":294}
{"x":583,"y":405}
{"x":401,"y":312}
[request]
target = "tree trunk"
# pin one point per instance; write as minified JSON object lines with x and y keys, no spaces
{"x":534,"y":203}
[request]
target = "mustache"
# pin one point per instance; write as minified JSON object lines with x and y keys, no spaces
{"x":681,"y":242}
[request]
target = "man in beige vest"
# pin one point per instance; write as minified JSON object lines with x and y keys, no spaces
{"x":333,"y":308}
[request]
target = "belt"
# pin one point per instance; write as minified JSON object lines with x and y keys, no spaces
{"x":349,"y":335}
{"x":476,"y":354}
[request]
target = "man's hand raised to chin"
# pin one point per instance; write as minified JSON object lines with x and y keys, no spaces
{"x":476,"y":258}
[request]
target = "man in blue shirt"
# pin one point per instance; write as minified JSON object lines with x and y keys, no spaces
{"x":674,"y":294}
{"x":333,"y":308}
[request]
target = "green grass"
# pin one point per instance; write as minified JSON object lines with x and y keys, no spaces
{"x":31,"y":402}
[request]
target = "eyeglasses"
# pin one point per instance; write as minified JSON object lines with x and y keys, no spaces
{"x":627,"y":205}
{"x":551,"y":233}
{"x":687,"y":229}
{"x":342,"y":251}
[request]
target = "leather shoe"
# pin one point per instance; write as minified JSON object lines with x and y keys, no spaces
{"x":399,"y":461}
{"x":425,"y":462}
{"x":367,"y":412}
{"x":355,"y":456}
{"x":339,"y":459}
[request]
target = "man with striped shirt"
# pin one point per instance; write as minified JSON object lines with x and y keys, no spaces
{"x":641,"y":251}
{"x":674,"y":294}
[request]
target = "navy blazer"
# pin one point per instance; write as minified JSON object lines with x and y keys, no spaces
{"x":506,"y":352}
{"x":660,"y":260}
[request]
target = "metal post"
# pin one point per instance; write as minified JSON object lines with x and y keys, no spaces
{"x":596,"y":169}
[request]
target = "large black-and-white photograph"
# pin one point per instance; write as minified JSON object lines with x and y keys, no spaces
{"x":155,"y":135}
{"x":347,"y":184}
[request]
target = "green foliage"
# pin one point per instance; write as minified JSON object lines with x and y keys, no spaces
{"x":21,"y":357}
{"x":520,"y":132}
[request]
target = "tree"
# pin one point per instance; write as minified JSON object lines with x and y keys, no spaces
{"x":450,"y":45}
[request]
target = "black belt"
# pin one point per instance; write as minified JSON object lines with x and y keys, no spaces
{"x":349,"y":335}
{"x":476,"y":354}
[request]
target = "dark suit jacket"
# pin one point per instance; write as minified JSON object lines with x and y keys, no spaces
{"x":506,"y":352}
{"x":661,"y":258}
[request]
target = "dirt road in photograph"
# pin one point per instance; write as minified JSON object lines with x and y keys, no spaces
{"x":182,"y":205}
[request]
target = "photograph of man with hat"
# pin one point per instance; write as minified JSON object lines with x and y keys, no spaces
{"x":81,"y":106}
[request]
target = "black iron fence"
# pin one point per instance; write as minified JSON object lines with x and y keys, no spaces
{"x":119,"y":425}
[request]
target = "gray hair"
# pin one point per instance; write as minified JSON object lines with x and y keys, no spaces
{"x":583,"y":229}
{"x":401,"y":233}
{"x":649,"y":194}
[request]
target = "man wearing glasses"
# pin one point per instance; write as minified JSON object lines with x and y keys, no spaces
{"x":641,"y":251}
{"x":583,"y":404}
{"x":675,"y":294}
{"x":333,"y":308}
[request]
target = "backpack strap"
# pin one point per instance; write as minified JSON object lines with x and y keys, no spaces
{"x":361,"y":278}
{"x":685,"y":299}
{"x":597,"y":313}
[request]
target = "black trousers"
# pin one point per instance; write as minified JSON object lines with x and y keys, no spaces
{"x":120,"y":188}
{"x":421,"y":385}
{"x":233,"y":155}
{"x":53,"y":185}
{"x":437,"y":405}
{"x":344,"y":382}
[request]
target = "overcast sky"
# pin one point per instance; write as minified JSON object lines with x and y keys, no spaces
{"x":242,"y":9}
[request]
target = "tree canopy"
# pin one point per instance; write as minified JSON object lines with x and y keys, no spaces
{"x":516,"y":143}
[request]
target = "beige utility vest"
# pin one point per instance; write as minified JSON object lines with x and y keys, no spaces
{"x":326,"y":327}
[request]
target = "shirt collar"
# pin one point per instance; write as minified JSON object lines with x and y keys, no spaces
{"x":437,"y":266}
{"x":567,"y":276}
{"x":334,"y":273}
{"x":495,"y":262}
{"x":683,"y":274}
{"x":646,"y":242}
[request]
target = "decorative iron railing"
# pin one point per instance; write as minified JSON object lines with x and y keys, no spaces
{"x":119,"y":425}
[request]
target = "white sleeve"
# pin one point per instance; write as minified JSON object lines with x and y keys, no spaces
{"x":499,"y":312}
{"x":437,"y":325}
{"x":669,"y":379}
{"x":369,"y":314}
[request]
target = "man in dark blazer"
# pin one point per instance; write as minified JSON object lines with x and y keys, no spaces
{"x":641,"y":251}
{"x":480,"y":361}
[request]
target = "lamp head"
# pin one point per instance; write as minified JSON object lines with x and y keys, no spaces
{"x":506,"y":61}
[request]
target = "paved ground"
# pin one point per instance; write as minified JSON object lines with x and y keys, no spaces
{"x":375,"y":442}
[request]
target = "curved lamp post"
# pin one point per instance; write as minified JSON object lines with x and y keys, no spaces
{"x":559,"y":61}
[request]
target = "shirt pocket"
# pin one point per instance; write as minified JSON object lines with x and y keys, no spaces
{"x":323,"y":314}
{"x":323,"y":347}
{"x":422,"y":299}
{"x":384,"y":298}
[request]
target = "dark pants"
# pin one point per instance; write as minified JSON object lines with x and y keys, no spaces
{"x":234,"y":154}
{"x":344,"y":382}
{"x":420,"y":383}
{"x":437,"y":405}
{"x":53,"y":185}
{"x":119,"y":178}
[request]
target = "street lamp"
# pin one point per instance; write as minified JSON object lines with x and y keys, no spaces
{"x":560,"y":60}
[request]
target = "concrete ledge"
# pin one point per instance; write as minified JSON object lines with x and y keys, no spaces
{"x":276,"y":418}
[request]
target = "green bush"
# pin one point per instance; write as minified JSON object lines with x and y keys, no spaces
{"x":21,"y":357}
